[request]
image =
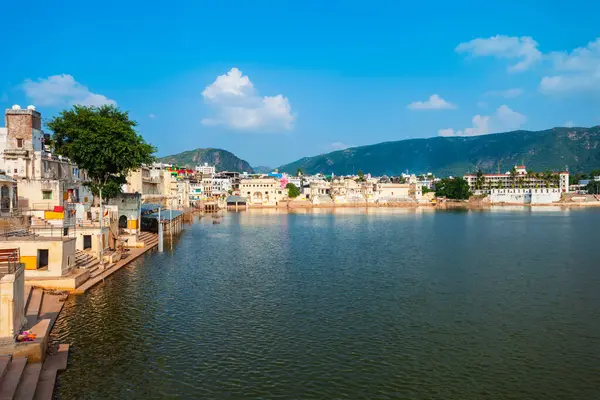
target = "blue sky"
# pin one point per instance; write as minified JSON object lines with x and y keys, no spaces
{"x":274,"y":81}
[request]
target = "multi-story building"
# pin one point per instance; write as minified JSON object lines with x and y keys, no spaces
{"x":205,"y":170}
{"x":263,"y":191}
{"x":196,"y":190}
{"x":518,"y":178}
{"x":221,"y":186}
{"x":44,"y":181}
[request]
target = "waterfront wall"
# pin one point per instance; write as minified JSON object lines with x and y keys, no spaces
{"x":525,"y":196}
{"x":12,"y":303}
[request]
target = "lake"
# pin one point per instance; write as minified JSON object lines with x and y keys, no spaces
{"x":381,"y":304}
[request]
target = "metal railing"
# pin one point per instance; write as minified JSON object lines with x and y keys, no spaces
{"x":9,"y":261}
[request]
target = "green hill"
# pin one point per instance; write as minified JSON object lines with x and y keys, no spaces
{"x":553,"y":149}
{"x":223,"y":160}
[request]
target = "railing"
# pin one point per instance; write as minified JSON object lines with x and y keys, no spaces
{"x":69,"y":231}
{"x":9,"y":261}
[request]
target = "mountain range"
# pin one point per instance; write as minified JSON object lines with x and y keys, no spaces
{"x":577,"y":149}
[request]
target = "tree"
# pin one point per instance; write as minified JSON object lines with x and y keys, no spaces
{"x":293,"y":191}
{"x":103,"y":142}
{"x":593,"y":187}
{"x":299,"y":172}
{"x":361,"y":176}
{"x":480,"y":180}
{"x":455,"y":188}
{"x":513,"y":176}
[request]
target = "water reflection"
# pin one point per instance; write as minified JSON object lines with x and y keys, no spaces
{"x":394,"y":304}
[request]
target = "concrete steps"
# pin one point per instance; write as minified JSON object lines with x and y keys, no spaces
{"x":83,"y":259}
{"x":149,"y":239}
{"x":12,"y":378}
{"x":27,"y":295}
{"x":53,"y":364}
{"x":32,"y":311}
{"x":20,"y":380}
{"x":29,"y":381}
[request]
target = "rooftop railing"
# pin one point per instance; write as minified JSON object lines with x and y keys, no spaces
{"x":9,"y":261}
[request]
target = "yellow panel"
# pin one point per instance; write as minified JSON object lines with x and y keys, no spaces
{"x":132,"y":224}
{"x":66,"y":196}
{"x":54,"y":215}
{"x":29,"y":261}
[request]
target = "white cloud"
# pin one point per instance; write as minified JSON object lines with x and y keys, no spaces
{"x":576,"y":71}
{"x":435,"y":102}
{"x":503,"y":119}
{"x":480,"y":127}
{"x":237,"y":105}
{"x":509,"y":47}
{"x":339,"y":146}
{"x":151,"y":116}
{"x":62,"y":90}
{"x":507,"y":94}
{"x":509,"y":119}
{"x":569,"y":124}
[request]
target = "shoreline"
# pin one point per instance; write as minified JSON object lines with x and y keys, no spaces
{"x":441,"y":206}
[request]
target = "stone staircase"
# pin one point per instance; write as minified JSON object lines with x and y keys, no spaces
{"x":27,"y":374}
{"x":85,"y":260}
{"x":149,"y":239}
{"x":20,"y":380}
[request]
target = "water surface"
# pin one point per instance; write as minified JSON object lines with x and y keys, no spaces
{"x":382,"y":304}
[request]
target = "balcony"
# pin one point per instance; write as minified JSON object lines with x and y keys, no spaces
{"x":16,"y":153}
{"x":9,"y":261}
{"x":151,"y":179}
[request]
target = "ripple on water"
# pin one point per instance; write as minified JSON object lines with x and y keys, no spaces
{"x":313,"y":306}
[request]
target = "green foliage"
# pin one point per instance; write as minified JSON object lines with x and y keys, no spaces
{"x":111,"y":189}
{"x":293,"y":191}
{"x":480,"y":180}
{"x":299,"y":172}
{"x":222,"y":160}
{"x":577,"y":148}
{"x":425,"y":189}
{"x":593,"y":187}
{"x":103,"y":142}
{"x":455,"y":188}
{"x":361,"y":176}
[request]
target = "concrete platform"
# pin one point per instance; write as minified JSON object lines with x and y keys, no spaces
{"x":133,"y":254}
{"x":69,"y":282}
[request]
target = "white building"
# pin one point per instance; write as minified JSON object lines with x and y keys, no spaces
{"x":263,"y":191}
{"x":205,"y":170}
{"x":221,"y":186}
{"x":519,"y":178}
{"x":44,"y":181}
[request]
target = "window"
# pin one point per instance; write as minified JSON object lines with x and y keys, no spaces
{"x":47,"y":194}
{"x":19,"y":143}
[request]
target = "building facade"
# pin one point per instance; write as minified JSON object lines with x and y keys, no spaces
{"x":263,"y":191}
{"x":518,"y":178}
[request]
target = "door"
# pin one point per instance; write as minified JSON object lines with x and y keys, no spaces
{"x":87,"y":242}
{"x":42,"y":258}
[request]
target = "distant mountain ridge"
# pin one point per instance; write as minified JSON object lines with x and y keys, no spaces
{"x":223,"y":160}
{"x":555,"y":149}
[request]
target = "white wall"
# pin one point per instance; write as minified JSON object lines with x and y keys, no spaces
{"x":525,"y":196}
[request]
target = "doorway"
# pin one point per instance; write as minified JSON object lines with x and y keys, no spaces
{"x":87,"y":242}
{"x":42,"y":258}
